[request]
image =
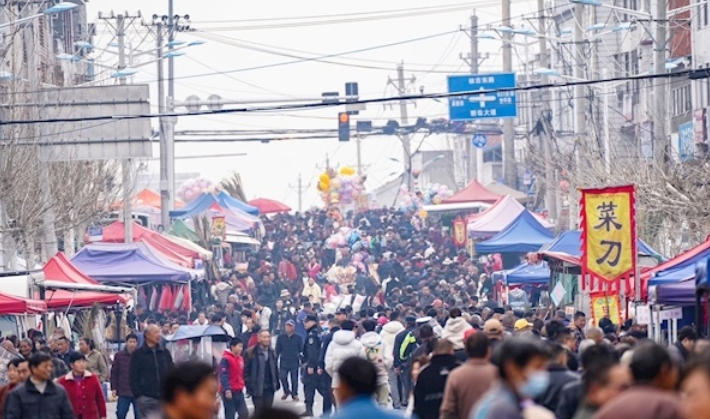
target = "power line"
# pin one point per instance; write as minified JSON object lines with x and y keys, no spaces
{"x":692,"y":74}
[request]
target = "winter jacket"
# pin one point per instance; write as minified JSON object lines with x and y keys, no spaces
{"x":389,"y":333}
{"x":570,"y":399}
{"x":642,"y":402}
{"x":26,"y":402}
{"x":65,"y":357}
{"x":288,"y":350}
{"x":4,"y":391}
{"x":376,"y":352}
{"x":454,"y":331}
{"x":343,"y":346}
{"x":429,"y":390}
{"x":98,"y":365}
{"x":404,"y":344}
{"x":678,"y":353}
{"x":465,"y":386}
{"x":231,"y":373}
{"x":559,"y":377}
{"x":86,"y":395}
{"x":120,"y":370}
{"x":312,"y":291}
{"x":147,"y":368}
{"x":255,"y":375}
{"x":364,"y":407}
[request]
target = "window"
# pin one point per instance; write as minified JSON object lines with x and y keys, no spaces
{"x":703,"y":15}
{"x":682,"y":103}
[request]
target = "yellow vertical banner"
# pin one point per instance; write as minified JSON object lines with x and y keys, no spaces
{"x":606,"y":306}
{"x":608,"y":232}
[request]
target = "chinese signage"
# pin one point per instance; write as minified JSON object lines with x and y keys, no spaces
{"x":219,"y":227}
{"x":605,"y":306}
{"x":459,"y":233}
{"x":608,"y":232}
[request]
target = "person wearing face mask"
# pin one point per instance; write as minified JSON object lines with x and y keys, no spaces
{"x":521,"y":364}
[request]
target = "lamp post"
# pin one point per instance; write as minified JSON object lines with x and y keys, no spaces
{"x":62,"y":7}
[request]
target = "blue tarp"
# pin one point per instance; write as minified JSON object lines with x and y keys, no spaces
{"x":676,"y":294}
{"x":675,"y":274}
{"x":192,"y":332}
{"x":117,"y":263}
{"x":570,"y":242}
{"x":524,"y":234}
{"x":528,"y":274}
{"x":225,"y":199}
{"x":237,"y":219}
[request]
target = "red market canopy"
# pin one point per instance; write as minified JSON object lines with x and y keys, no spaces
{"x":473,"y":192}
{"x":61,"y":269}
{"x":10,"y":304}
{"x":114,"y":233}
{"x":269,"y":206}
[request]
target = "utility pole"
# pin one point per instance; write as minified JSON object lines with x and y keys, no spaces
{"x":358,"y":143}
{"x":300,"y":189}
{"x":545,"y":133}
{"x":126,"y":164}
{"x":508,"y":128}
{"x":660,"y":128}
{"x":165,"y":189}
{"x":401,"y":85}
{"x":579,"y":115}
{"x":471,"y":152}
{"x":170,"y":121}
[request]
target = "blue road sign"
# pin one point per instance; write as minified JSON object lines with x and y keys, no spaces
{"x":686,"y":145}
{"x":479,"y":140}
{"x":487,"y":104}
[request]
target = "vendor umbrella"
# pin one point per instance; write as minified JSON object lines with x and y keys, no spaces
{"x":269,"y":206}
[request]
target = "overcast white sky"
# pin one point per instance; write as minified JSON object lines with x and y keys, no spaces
{"x":268,"y":169}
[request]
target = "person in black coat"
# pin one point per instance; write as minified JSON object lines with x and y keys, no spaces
{"x":147,"y":367}
{"x":261,"y":372}
{"x":288,"y":350}
{"x":560,"y":376}
{"x":38,"y":397}
{"x":429,"y":389}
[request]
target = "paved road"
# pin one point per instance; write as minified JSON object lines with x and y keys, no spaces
{"x":297,"y":407}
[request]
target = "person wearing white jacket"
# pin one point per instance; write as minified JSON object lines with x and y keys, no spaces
{"x":388,"y":334}
{"x":343,"y":346}
{"x":377,"y":353}
{"x":455,"y":328}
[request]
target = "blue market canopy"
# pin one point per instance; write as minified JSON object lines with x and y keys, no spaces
{"x":226,"y":200}
{"x":538,"y":273}
{"x":570,"y":243}
{"x":679,"y":268}
{"x":193,"y":332}
{"x":236,"y":218}
{"x":119,"y":263}
{"x":524,"y":234}
{"x":676,"y":294}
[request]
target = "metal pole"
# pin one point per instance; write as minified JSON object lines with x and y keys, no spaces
{"x":171,"y":121}
{"x":300,"y":193}
{"x":508,"y":128}
{"x":472,"y":152}
{"x":659,"y":85}
{"x":125,"y":163}
{"x":579,"y":116}
{"x":607,"y":136}
{"x":358,"y":143}
{"x":404,"y":120}
{"x":546,"y":137}
{"x":164,"y":187}
{"x":51,"y":246}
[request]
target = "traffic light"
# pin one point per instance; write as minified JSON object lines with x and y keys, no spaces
{"x":343,"y":126}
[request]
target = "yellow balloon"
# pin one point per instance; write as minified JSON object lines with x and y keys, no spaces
{"x":423,"y":213}
{"x":347,"y":171}
{"x":324,"y":178}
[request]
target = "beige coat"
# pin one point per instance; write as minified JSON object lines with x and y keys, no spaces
{"x":465,"y":387}
{"x":97,"y":365}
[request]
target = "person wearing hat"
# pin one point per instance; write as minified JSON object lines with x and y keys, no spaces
{"x":84,"y":389}
{"x":288,"y":351}
{"x":522,"y":326}
{"x":493,"y":329}
{"x":312,"y":375}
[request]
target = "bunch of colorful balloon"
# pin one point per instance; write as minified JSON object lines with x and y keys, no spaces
{"x":435,"y":194}
{"x":193,"y":188}
{"x":407,"y":200}
{"x":343,"y":187}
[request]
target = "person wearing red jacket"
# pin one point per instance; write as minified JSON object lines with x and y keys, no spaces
{"x":231,"y":380}
{"x":84,"y":390}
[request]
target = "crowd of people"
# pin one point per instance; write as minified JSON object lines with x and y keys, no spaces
{"x":372,"y":313}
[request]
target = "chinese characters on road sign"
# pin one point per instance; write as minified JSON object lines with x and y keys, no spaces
{"x":608,"y":233}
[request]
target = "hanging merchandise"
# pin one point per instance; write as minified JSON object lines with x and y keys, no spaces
{"x":142,"y":298}
{"x":153,"y":299}
{"x":179,"y":297}
{"x":187,"y":300}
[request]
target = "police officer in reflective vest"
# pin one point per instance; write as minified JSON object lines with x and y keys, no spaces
{"x":312,"y":380}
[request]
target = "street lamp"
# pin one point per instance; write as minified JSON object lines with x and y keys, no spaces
{"x":57,"y":8}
